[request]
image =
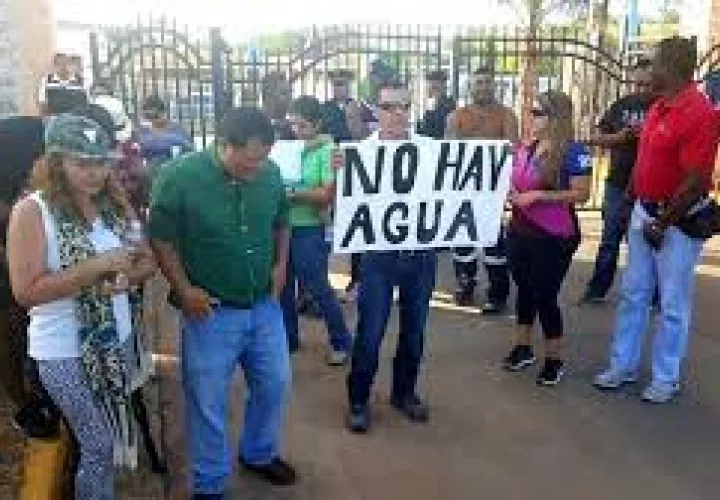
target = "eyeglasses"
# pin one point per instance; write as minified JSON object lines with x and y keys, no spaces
{"x":395,"y":106}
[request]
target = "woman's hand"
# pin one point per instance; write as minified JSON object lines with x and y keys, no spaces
{"x":143,"y":264}
{"x":337,"y":159}
{"x":109,"y":264}
{"x":525,"y":199}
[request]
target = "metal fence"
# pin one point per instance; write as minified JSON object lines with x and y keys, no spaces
{"x":200,"y":74}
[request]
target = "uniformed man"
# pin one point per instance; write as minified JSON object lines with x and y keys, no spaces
{"x":62,"y":90}
{"x":483,"y":118}
{"x":335,"y":115}
{"x":439,"y":107}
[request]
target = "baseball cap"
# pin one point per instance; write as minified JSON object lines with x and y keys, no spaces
{"x":78,"y":136}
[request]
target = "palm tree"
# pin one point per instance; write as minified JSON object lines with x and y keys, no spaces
{"x":533,"y":13}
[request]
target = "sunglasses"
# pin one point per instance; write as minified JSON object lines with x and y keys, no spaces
{"x":395,"y":106}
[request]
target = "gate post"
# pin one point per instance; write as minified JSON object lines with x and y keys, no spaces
{"x":217,"y":73}
{"x":455,"y":66}
{"x":95,"y":57}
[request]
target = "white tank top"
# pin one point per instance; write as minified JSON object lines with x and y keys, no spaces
{"x":54,"y":329}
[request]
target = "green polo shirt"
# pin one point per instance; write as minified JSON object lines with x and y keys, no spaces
{"x":222,"y":229}
{"x":316,"y":171}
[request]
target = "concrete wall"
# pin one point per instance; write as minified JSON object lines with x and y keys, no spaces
{"x":27,"y":41}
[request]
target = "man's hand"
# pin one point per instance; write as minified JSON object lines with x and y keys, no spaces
{"x":279,"y":279}
{"x":338,"y":159}
{"x":196,"y":303}
{"x":653,"y":234}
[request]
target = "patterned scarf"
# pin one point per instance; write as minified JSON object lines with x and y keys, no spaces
{"x":106,"y":362}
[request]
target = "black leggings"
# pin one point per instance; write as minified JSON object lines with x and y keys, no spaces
{"x":539,"y":265}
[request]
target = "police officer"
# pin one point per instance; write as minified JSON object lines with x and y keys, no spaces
{"x":439,"y":106}
{"x":63,"y":90}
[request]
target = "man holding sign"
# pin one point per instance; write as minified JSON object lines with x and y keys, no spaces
{"x":399,"y":197}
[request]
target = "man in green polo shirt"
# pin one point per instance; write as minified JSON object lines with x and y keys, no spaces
{"x":219,"y":224}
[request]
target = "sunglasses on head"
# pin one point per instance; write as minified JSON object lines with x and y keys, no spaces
{"x":395,"y":106}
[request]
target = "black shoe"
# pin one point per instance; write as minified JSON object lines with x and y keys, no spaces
{"x":520,"y":357}
{"x":591,"y":298}
{"x":37,"y":421}
{"x":465,"y":297}
{"x":491,"y":308}
{"x":415,"y":409}
{"x":278,"y":472}
{"x":207,"y":496}
{"x":359,"y":419}
{"x":551,"y":373}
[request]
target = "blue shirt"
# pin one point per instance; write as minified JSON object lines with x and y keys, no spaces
{"x":158,"y":147}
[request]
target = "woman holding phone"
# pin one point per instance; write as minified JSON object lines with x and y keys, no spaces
{"x":71,"y":268}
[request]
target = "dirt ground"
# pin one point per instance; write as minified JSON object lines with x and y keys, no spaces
{"x":492,"y":435}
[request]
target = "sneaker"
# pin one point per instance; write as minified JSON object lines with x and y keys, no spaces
{"x":337,"y":358}
{"x":491,"y":308}
{"x":519,"y":358}
{"x":278,"y":472}
{"x":612,"y":379}
{"x":414,"y":408}
{"x":207,"y":496}
{"x":551,"y":373}
{"x":660,"y":393}
{"x":359,"y":419}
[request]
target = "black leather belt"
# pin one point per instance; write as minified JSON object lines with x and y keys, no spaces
{"x":232,"y":304}
{"x":653,"y":208}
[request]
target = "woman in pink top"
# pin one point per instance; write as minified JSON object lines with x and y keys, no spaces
{"x":549,"y":176}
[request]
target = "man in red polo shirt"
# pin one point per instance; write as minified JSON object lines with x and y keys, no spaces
{"x":671,"y":180}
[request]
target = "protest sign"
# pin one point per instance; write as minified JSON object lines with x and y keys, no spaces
{"x":287,"y":156}
{"x":397,"y":195}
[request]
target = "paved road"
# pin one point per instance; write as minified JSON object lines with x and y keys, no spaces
{"x":493,"y":436}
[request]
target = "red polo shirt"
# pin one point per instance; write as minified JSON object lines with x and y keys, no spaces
{"x":679,"y":136}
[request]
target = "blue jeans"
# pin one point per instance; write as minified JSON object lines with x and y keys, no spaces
{"x":211,"y":350}
{"x":673,"y":269}
{"x":309,"y":253}
{"x":612,"y":234}
{"x":414,"y":275}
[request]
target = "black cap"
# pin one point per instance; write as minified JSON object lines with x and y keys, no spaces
{"x":340,"y":74}
{"x":153,"y":103}
{"x":437,"y":75}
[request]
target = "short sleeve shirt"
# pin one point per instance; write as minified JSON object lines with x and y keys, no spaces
{"x":555,"y":219}
{"x":625,"y":112}
{"x":679,"y":137}
{"x":316,"y":172}
{"x":222,"y":229}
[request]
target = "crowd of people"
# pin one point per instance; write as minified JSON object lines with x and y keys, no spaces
{"x":244,"y":252}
